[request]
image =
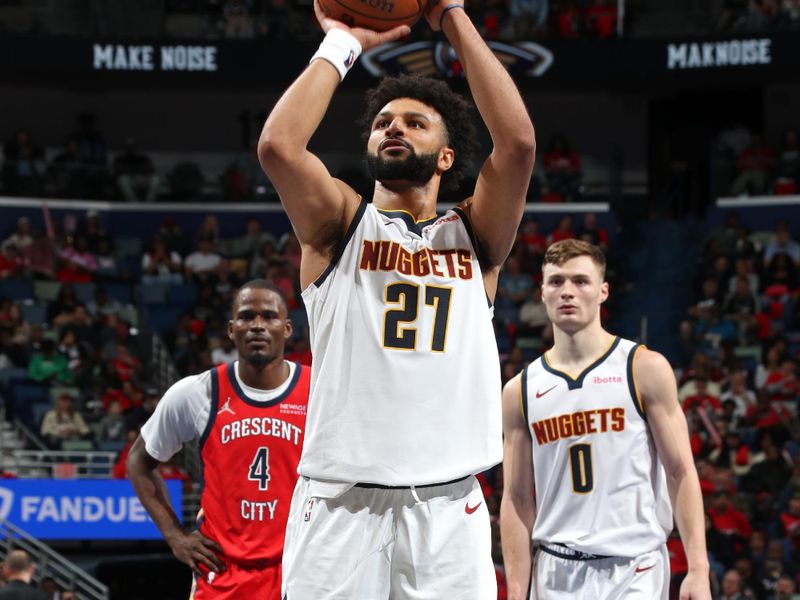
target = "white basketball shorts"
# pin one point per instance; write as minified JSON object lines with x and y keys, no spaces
{"x":558,"y":576}
{"x":347,"y":542}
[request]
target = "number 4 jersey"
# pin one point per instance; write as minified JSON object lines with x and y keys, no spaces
{"x":405,"y":387}
{"x":250,"y":444}
{"x":600,"y":487}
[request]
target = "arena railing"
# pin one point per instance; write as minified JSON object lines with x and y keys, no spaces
{"x":50,"y":563}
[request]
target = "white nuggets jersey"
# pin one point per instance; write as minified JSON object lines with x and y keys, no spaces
{"x":405,"y":385}
{"x":600,"y":487}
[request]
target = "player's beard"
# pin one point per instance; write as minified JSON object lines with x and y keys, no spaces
{"x":417,"y":168}
{"x":258,"y":360}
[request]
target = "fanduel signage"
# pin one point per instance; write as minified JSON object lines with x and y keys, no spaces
{"x":729,"y":53}
{"x":117,"y":57}
{"x":80,"y":509}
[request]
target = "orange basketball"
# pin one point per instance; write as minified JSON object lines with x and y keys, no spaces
{"x":378,"y":15}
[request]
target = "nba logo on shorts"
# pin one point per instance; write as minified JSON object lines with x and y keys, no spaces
{"x":307,"y":516}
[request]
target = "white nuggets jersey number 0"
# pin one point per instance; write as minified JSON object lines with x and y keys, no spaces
{"x":600,"y":487}
{"x":405,"y":386}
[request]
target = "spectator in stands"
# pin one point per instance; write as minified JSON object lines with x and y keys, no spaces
{"x":785,"y":588}
{"x":139,"y":414}
{"x":260,"y":263}
{"x":107,"y":267}
{"x":590,"y":232}
{"x":63,"y":423}
{"x":226,"y":282}
{"x":532,"y":315}
{"x":249,"y":245}
{"x":161,"y":265}
{"x":531,"y":236}
{"x":49,"y":366}
{"x":563,"y":231}
{"x":93,"y":155}
{"x":21,"y":239}
{"x":702,"y":399}
{"x":782,"y":243}
{"x":68,"y":173}
{"x":210,"y":230}
{"x":18,"y":569}
{"x":732,"y":587}
{"x":201,"y":264}
{"x":770,"y":475}
{"x":562,"y":168}
{"x":601,"y":18}
{"x":529,"y":17}
{"x":113,"y":426}
{"x":172,"y":235}
{"x":24,"y":166}
{"x":728,"y":519}
{"x":754,"y":166}
{"x":788,"y":167}
{"x":77,"y":251}
{"x":741,"y":306}
{"x":782,"y":385}
{"x":744,"y":399}
{"x":514,"y":286}
{"x":743,"y":267}
{"x":789,"y":15}
{"x":103,"y":304}
{"x":290,"y":250}
{"x":758,"y":16}
{"x":135,"y":174}
{"x":237,"y":20}
{"x":68,"y":346}
{"x":225,"y":352}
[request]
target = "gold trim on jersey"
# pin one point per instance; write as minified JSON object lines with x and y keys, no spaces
{"x":435,"y":305}
{"x":591,"y":365}
{"x":639,"y":399}
{"x":400,"y":331}
{"x":402,"y":210}
{"x":584,"y":469}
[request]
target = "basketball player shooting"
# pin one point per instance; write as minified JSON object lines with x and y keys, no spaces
{"x":594,"y":431}
{"x":249,"y":416}
{"x":405,"y":404}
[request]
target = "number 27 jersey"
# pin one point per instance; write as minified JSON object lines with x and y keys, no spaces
{"x":405,"y":388}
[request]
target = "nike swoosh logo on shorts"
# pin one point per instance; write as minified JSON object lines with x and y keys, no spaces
{"x":471,"y":509}
{"x":643,"y":569}
{"x":540,"y":394}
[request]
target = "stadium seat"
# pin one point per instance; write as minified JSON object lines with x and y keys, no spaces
{"x":121,"y":292}
{"x":128,"y":247}
{"x":35,"y":313}
{"x":84,"y":292}
{"x":46,"y":290}
{"x":77,"y":445}
{"x":153,"y":294}
{"x":162,"y":318}
{"x":185,"y":294}
{"x":16,"y":289}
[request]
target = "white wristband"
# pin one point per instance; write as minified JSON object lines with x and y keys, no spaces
{"x":340,"y":49}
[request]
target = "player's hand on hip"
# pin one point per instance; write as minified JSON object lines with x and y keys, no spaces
{"x":196,"y":550}
{"x":366,"y":37}
{"x":695,"y":586}
{"x":437,"y":9}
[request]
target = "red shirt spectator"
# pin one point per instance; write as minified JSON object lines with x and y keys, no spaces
{"x":727,"y":519}
{"x":602,"y":18}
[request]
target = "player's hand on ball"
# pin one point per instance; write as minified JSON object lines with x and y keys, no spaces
{"x":196,"y":550}
{"x":366,"y":37}
{"x":436,"y":9}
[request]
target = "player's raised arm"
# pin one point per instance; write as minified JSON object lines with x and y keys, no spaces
{"x":656,"y":383}
{"x":517,"y":508}
{"x":502,"y":185}
{"x":312,"y":198}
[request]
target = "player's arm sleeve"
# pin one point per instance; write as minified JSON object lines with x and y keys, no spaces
{"x":175,"y":420}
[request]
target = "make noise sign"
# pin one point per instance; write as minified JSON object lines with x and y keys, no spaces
{"x":124,"y":57}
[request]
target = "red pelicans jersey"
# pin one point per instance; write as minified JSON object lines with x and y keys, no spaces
{"x":600,"y":487}
{"x":250,"y":452}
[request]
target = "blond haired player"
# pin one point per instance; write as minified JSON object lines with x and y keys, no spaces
{"x":593,"y":428}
